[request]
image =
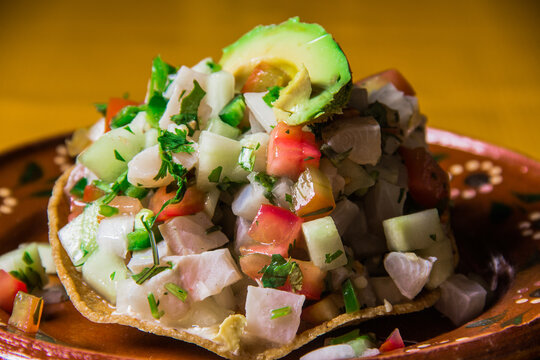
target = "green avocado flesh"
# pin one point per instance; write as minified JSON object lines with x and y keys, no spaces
{"x":289,"y":45}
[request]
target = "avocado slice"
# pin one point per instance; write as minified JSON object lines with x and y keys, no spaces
{"x":290,"y":46}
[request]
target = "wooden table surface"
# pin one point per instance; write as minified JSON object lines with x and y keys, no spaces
{"x":474,"y":64}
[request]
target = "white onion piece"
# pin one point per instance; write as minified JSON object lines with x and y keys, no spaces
{"x":257,"y":141}
{"x":202,"y":66}
{"x":331,"y":352}
{"x":385,"y":288}
{"x":409,"y":272}
{"x":220,"y":90}
{"x":183,"y":82}
{"x":206,"y":274}
{"x":361,"y":135}
{"x":248,"y":200}
{"x":188,"y":234}
{"x":370,"y":352}
{"x":143,"y":168}
{"x":461,"y":299}
{"x":112,"y":233}
{"x":141,"y":259}
{"x":79,"y":171}
{"x":241,"y":236}
{"x":188,"y":160}
{"x":259,"y":305}
{"x":356,"y":177}
{"x":151,"y":138}
{"x":260,"y":110}
{"x":383,"y":201}
{"x":96,"y":130}
{"x":139,"y":124}
{"x":282,"y":188}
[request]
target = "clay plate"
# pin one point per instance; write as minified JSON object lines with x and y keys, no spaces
{"x":495,"y":217}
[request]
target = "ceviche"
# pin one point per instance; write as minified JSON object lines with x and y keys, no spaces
{"x":252,"y":204}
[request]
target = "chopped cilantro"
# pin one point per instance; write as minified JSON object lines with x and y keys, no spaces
{"x":101,"y":108}
{"x":118,"y":156}
{"x":27,"y":258}
{"x":332,"y":155}
{"x":155,"y":109}
{"x":227,"y":184}
{"x":309,"y":158}
{"x":107,"y":210}
{"x":272,"y":95}
{"x":277,"y":313}
{"x":154,"y":307}
{"x":214,"y":67}
{"x":332,"y":257}
{"x":276,"y":274}
{"x":177,"y":291}
{"x":175,"y":142}
{"x":78,"y":189}
{"x":246,"y":159}
{"x":128,"y":129}
{"x":215,"y":174}
{"x":433,"y":237}
{"x":112,"y":276}
{"x":159,"y":76}
{"x":189,"y":108}
{"x":289,"y":199}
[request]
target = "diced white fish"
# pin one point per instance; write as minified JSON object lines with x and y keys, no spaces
{"x":383,"y":201}
{"x":248,"y":200}
{"x":259,"y":305}
{"x":241,"y":236}
{"x":143,"y":168}
{"x":461,"y":299}
{"x":336,"y":180}
{"x":188,"y":234}
{"x":346,"y":214}
{"x":385,"y":288}
{"x":360,"y":135}
{"x":206,"y":274}
{"x":207,"y":313}
{"x":112,"y":233}
{"x":409,"y":272}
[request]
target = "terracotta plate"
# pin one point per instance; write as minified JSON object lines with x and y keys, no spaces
{"x":496,"y":219}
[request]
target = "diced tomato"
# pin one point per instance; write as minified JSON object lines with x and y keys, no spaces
{"x":263,"y":76}
{"x":113,"y":107}
{"x":312,"y":282}
{"x":312,"y":276}
{"x":312,"y":195}
{"x":126,"y":204}
{"x":393,"y":342}
{"x":428,"y":182}
{"x":291,"y":150}
{"x":192,"y":203}
{"x":275,"y":228}
{"x":92,"y":193}
{"x":76,"y":207}
{"x":27,"y":310}
{"x":377,"y":81}
{"x":9,"y":287}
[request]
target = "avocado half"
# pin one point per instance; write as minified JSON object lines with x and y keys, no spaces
{"x":290,"y":45}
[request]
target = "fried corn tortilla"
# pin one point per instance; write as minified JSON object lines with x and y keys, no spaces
{"x":95,"y":308}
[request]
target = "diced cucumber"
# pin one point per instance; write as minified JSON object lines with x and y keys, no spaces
{"x":102,"y":271}
{"x":25,"y":264}
{"x":414,"y":231}
{"x":233,"y":112}
{"x":104,"y":157}
{"x":441,"y":249}
{"x":78,"y":237}
{"x":219,"y":91}
{"x":219,"y":127}
{"x":361,"y":344}
{"x":324,"y":243}
{"x":443,"y":268}
{"x":215,"y":151}
{"x":45,"y":253}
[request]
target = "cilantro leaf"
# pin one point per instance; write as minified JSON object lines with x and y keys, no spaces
{"x":155,"y":109}
{"x":101,"y":108}
{"x":331,"y":257}
{"x":215,"y":174}
{"x":246,"y":159}
{"x":159,"y":76}
{"x":189,"y":107}
{"x":268,"y":182}
{"x":276,"y":274}
{"x":273,"y":95}
{"x":118,"y":156}
{"x":175,"y":142}
{"x":78,"y":188}
{"x":214,"y":67}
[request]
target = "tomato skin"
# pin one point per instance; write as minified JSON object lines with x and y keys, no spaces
{"x":275,"y":228}
{"x":291,"y":150}
{"x":377,"y":81}
{"x":193,"y":202}
{"x":394,"y":341}
{"x":113,"y":107}
{"x":9,"y":287}
{"x":264,"y":76}
{"x":311,"y":193}
{"x":428,"y":182}
{"x":92,"y":193}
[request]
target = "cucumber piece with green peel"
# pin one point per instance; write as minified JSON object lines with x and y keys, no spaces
{"x":109,"y":155}
{"x":102,"y":271}
{"x":324,"y":243}
{"x":218,"y":151}
{"x":47,"y":261}
{"x":24,"y":263}
{"x":443,"y":268}
{"x":414,"y":231}
{"x":233,"y":112}
{"x":78,"y":237}
{"x":222,"y":128}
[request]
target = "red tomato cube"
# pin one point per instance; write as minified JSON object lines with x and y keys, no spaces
{"x":393,"y":342}
{"x":9,"y":287}
{"x":192,"y":203}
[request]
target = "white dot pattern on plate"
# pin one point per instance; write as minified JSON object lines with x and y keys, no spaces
{"x":521,"y":301}
{"x":535,"y":301}
{"x":472,"y":165}
{"x":456,"y":169}
{"x":496,"y":180}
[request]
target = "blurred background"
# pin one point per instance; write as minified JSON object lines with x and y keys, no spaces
{"x":474,"y":64}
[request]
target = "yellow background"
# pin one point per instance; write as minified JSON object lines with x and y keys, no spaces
{"x":474,"y":64}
